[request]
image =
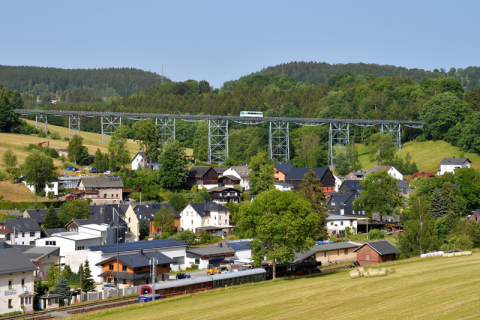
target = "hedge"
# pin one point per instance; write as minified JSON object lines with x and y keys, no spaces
{"x":22,"y":206}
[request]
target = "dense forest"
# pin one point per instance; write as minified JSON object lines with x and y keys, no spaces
{"x":76,"y":85}
{"x":319,"y":72}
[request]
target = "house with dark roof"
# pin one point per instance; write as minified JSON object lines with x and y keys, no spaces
{"x":296,"y":175}
{"x":134,"y":269}
{"x":101,"y":189}
{"x":26,"y":231}
{"x":220,"y":171}
{"x":135,"y":214}
{"x":358,"y":175}
{"x":228,"y":181}
{"x":43,"y":258}
{"x":225,"y":195}
{"x":74,"y":224}
{"x":140,"y":161}
{"x":376,"y":252}
{"x":206,"y":216}
{"x":327,"y":253}
{"x":453,"y":164}
{"x":241,"y":247}
{"x":49,"y":232}
{"x":16,"y":280}
{"x":350,"y":186}
{"x":203,"y":176}
{"x":211,"y":255}
{"x":242,"y":173}
{"x":281,"y":171}
{"x":38,"y":214}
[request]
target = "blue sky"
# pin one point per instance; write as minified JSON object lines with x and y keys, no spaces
{"x":224,"y":40}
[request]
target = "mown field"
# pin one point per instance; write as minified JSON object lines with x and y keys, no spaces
{"x":432,"y":288}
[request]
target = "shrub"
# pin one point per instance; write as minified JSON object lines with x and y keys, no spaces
{"x":194,"y":266}
{"x":376,"y":234}
{"x":3,"y":175}
{"x":55,"y":135}
{"x":42,"y":134}
{"x":66,"y":138}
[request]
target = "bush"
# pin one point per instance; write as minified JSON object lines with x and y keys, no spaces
{"x":3,"y":175}
{"x":194,"y":266}
{"x":42,"y":134}
{"x":66,"y":138}
{"x":55,"y":135}
{"x":376,"y":234}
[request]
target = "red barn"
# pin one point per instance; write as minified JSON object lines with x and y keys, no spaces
{"x":376,"y":252}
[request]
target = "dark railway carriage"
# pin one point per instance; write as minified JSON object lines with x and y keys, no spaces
{"x":177,"y":287}
{"x":239,"y":277}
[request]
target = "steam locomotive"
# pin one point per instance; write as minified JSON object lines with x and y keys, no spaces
{"x":298,"y":268}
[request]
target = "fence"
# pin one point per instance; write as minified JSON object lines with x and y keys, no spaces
{"x":105,"y":294}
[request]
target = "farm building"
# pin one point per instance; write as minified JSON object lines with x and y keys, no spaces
{"x":327,"y":253}
{"x":376,"y":252}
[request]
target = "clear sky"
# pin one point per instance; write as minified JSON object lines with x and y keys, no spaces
{"x":224,"y":40}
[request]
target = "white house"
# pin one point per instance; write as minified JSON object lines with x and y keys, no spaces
{"x":26,"y":231}
{"x":452,"y":164}
{"x":49,"y":187}
{"x":16,"y":280}
{"x":241,"y":172}
{"x":284,"y":186}
{"x":336,"y":224}
{"x":338,"y":183}
{"x":390,"y":170}
{"x":241,"y":248}
{"x":138,"y":162}
{"x":211,"y":255}
{"x":204,"y":214}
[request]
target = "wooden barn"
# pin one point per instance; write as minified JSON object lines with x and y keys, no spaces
{"x":376,"y":252}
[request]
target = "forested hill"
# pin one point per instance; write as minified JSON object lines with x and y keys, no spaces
{"x":99,"y":83}
{"x":319,"y":72}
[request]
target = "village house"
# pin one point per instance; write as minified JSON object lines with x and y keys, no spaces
{"x":38,"y":214}
{"x":16,"y":280}
{"x":203,"y":177}
{"x":228,"y":181}
{"x":281,"y":171}
{"x":296,"y":175}
{"x":50,"y":232}
{"x":390,"y":170}
{"x":138,"y":162}
{"x":225,"y":195}
{"x":134,"y":269}
{"x":354,"y":175}
{"x":101,"y":189}
{"x":74,"y":224}
{"x":326,"y":253}
{"x":241,"y":172}
{"x":350,"y":186}
{"x":284,"y":186}
{"x":376,"y":252}
{"x":452,"y":164}
{"x":211,"y":255}
{"x":336,"y":224}
{"x":197,"y":216}
{"x":474,"y":217}
{"x":241,"y":248}
{"x":26,"y":231}
{"x":43,"y":258}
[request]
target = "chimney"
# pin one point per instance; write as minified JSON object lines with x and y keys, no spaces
{"x":36,"y":208}
{"x":141,"y":252}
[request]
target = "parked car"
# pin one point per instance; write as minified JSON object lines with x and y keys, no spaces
{"x":109,"y":287}
{"x":182,"y":276}
{"x":93,"y":170}
{"x":71,"y":168}
{"x":88,"y":168}
{"x":101,"y":171}
{"x":108,"y":172}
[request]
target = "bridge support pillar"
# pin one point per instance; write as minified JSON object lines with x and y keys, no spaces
{"x":73,"y":125}
{"x":166,"y":129}
{"x":394,"y":131}
{"x":41,"y":122}
{"x":279,"y":142}
{"x":109,"y":125}
{"x":339,"y":137}
{"x":217,"y":140}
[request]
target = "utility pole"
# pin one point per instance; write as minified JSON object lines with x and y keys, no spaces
{"x":118,"y":240}
{"x":153,"y":266}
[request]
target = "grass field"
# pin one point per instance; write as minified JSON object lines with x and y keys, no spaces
{"x":432,"y":288}
{"x":427,"y":155}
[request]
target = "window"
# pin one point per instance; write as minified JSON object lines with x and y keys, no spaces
{"x":110,"y":267}
{"x":325,"y":254}
{"x":80,"y":248}
{"x":345,"y":252}
{"x":124,"y":268}
{"x":32,"y":234}
{"x":32,"y":243}
{"x":10,"y":284}
{"x":341,"y":223}
{"x":23,"y":282}
{"x":23,"y":234}
{"x":192,"y":221}
{"x":367,"y":257}
{"x":129,"y":220}
{"x":179,"y":260}
{"x":10,"y":303}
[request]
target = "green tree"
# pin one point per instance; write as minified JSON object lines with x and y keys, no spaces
{"x":41,"y":287}
{"x":75,"y":148}
{"x":9,"y":159}
{"x":53,"y":273}
{"x":74,"y":209}
{"x":202,"y":196}
{"x":83,"y":157}
{"x":178,"y":201}
{"x":8,"y":118}
{"x":306,"y":148}
{"x":382,"y":148}
{"x":419,"y":234}
{"x":173,"y":171}
{"x":437,"y":207}
{"x":469,"y":181}
{"x":143,"y":229}
{"x":280,"y":224}
{"x":118,"y":145}
{"x":448,"y":198}
{"x":262,"y":176}
{"x":101,"y":160}
{"x":312,"y":192}
{"x":63,"y":289}
{"x":469,"y":139}
{"x":88,"y":285}
{"x":146,"y":135}
{"x":38,"y":170}
{"x":386,"y":202}
{"x":165,"y":220}
{"x":51,"y":219}
{"x":200,"y":141}
{"x":441,"y":113}
{"x":187,"y":235}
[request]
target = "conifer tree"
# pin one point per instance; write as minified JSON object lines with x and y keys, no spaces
{"x":51,"y":219}
{"x":143,"y":230}
{"x":88,"y":284}
{"x":63,"y":289}
{"x":449,"y":200}
{"x":312,"y":192}
{"x":437,"y":207}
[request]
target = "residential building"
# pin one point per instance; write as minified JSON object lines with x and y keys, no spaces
{"x":205,"y":214}
{"x":338,"y":182}
{"x":50,"y":232}
{"x":203,"y":177}
{"x":134,"y":216}
{"x":134,"y":269}
{"x":43,"y":258}
{"x":228,"y":181}
{"x":281,"y":171}
{"x":101,"y":189}
{"x":376,"y":252}
{"x":421,"y":175}
{"x":350,"y":186}
{"x":16,"y":280}
{"x":220,"y":171}
{"x":326,"y":253}
{"x":38,"y":214}
{"x":211,"y":255}
{"x":26,"y":231}
{"x":390,"y":170}
{"x":62,"y":152}
{"x":141,"y":161}
{"x":241,"y":172}
{"x":452,"y":164}
{"x":296,"y":175}
{"x":225,"y":195}
{"x":336,"y":224}
{"x":355,"y":175}
{"x":284,"y":186}
{"x":68,"y":182}
{"x":74,"y":224}
{"x":241,"y":248}
{"x":474,"y":217}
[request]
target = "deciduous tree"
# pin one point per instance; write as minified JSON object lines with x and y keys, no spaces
{"x":262,"y":176}
{"x":38,"y":170}
{"x":311,"y":191}
{"x":178,"y":201}
{"x":143,"y":229}
{"x":146,"y":135}
{"x":173,"y":170}
{"x":74,"y":209}
{"x":9,"y":159}
{"x":75,"y":147}
{"x":118,"y":145}
{"x":382,"y":148}
{"x":165,"y":220}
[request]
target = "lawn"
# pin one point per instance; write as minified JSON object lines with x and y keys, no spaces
{"x":432,"y":288}
{"x":18,"y":192}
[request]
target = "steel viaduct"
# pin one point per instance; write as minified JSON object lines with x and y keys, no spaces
{"x":278,"y":144}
